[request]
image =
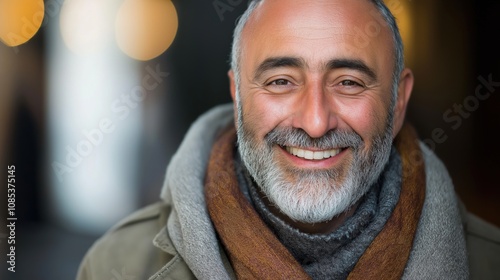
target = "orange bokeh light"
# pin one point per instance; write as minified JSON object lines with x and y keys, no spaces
{"x":146,"y":28}
{"x":20,"y":20}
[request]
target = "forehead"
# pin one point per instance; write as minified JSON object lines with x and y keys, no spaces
{"x":319,"y":29}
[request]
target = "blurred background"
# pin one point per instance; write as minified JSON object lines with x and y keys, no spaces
{"x":96,"y":96}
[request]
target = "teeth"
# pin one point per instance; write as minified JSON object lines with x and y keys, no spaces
{"x":300,"y":152}
{"x":307,"y":154}
{"x":319,"y":155}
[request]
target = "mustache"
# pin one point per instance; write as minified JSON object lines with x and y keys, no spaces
{"x":297,"y":137}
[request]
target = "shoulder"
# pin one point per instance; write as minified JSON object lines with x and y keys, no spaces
{"x":127,"y":248}
{"x":149,"y":213}
{"x":483,"y":246}
{"x":482,"y":239}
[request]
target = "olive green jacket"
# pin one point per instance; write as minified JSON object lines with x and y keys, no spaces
{"x":139,"y":248}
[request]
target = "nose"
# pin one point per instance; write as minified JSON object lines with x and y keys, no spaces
{"x":315,"y":111}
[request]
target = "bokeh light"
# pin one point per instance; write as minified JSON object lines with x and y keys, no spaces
{"x":20,"y":20}
{"x":146,"y":28}
{"x":86,"y":25}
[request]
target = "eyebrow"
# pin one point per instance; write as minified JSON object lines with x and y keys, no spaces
{"x":286,"y":61}
{"x":277,"y":62}
{"x":354,"y":64}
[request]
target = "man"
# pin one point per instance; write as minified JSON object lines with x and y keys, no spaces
{"x":317,"y":176}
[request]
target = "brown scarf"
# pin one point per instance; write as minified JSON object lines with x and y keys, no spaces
{"x":256,"y":253}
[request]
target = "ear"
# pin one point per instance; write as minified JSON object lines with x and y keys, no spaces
{"x":404,"y":91}
{"x":232,"y":85}
{"x":232,"y":89}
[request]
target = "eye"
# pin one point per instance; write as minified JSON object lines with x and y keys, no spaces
{"x":349,"y":83}
{"x":280,"y":86}
{"x":280,"y":82}
{"x":349,"y":87}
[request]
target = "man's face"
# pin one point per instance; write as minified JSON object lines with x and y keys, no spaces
{"x":314,"y":127}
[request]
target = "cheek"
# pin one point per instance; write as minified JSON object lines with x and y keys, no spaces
{"x":262,"y":114}
{"x":368,"y":117}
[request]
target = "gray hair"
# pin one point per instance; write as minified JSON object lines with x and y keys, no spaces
{"x":379,"y":4}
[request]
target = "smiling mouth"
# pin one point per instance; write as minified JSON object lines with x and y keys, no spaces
{"x":312,"y":155}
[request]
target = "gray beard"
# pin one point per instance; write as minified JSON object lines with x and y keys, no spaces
{"x":312,"y":196}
